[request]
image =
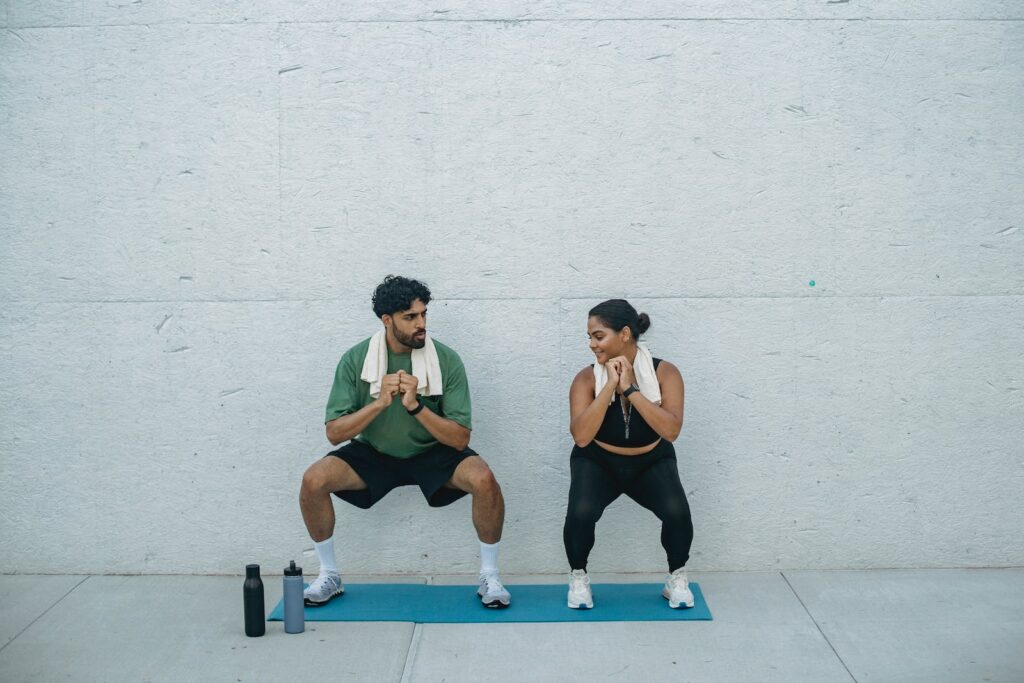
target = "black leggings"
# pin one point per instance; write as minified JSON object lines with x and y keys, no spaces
{"x":652,"y":479}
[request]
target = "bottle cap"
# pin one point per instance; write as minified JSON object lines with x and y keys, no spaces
{"x":252,"y":571}
{"x":292,"y":570}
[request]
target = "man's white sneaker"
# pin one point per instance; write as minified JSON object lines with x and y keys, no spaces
{"x":325,"y":587}
{"x":677,"y":590}
{"x":492,"y":593}
{"x":579,"y":590}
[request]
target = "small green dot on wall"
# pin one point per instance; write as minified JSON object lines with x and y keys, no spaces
{"x":811,"y":283}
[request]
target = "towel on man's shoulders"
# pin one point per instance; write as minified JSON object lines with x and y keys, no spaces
{"x":643,"y":368}
{"x":425,"y":365}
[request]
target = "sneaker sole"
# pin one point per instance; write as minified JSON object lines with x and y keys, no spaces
{"x":310,"y":603}
{"x":496,"y":604}
{"x":678,"y":605}
{"x":581,"y":605}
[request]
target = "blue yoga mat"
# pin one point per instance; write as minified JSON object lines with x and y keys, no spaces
{"x":425,"y":604}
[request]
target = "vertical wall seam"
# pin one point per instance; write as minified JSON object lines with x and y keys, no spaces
{"x":280,"y":150}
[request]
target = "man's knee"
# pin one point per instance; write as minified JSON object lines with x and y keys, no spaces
{"x":481,"y":480}
{"x":313,"y":480}
{"x":322,"y":476}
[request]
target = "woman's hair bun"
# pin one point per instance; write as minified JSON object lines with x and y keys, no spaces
{"x":643,"y":322}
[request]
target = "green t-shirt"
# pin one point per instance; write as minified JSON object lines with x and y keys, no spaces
{"x":395,"y":431}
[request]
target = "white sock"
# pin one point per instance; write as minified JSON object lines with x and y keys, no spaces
{"x":488,"y":558}
{"x":325,"y":551}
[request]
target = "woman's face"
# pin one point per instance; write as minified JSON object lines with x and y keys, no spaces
{"x":605,"y":343}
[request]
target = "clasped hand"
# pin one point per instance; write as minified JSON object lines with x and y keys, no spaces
{"x":402,"y":383}
{"x":620,"y":371}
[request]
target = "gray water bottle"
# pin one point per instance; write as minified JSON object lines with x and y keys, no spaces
{"x":294,"y":609}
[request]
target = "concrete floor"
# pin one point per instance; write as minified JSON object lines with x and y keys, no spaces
{"x":892,"y":625}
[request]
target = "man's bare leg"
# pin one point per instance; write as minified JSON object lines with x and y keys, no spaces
{"x":475,"y":477}
{"x":321,"y":479}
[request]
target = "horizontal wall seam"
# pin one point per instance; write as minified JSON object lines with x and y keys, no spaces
{"x":511,"y":20}
{"x":26,"y":302}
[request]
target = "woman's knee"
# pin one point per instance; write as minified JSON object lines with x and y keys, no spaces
{"x":582,"y":513}
{"x":674,"y":511}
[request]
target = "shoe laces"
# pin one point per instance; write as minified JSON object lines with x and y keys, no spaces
{"x":579,"y":581}
{"x":493,"y":583}
{"x":325,"y":581}
{"x":677,"y":580}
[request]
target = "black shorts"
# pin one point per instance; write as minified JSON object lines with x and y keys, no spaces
{"x":430,"y":470}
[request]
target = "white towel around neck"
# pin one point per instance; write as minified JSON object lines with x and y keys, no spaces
{"x":425,"y":365}
{"x":643,"y":368}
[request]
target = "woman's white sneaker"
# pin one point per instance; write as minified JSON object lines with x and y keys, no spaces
{"x":579,"y":590}
{"x":677,"y":590}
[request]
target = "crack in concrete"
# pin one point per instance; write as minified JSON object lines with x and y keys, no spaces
{"x":44,"y":613}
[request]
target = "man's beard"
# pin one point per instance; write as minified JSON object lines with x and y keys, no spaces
{"x":411,"y":341}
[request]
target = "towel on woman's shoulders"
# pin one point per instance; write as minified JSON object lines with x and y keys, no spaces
{"x":425,"y":365}
{"x":643,"y":368}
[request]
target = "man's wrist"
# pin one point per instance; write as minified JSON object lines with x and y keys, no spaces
{"x":415,"y":409}
{"x":630,"y":390}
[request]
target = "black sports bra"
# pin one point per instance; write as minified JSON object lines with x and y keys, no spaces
{"x":613,"y":427}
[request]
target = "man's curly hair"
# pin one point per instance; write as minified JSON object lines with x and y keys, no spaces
{"x":397,"y":293}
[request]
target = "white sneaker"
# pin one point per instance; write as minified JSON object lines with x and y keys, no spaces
{"x":677,"y":590}
{"x":325,"y":587}
{"x":492,"y":593}
{"x":579,"y":590}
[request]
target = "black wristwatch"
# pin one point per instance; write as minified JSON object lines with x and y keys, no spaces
{"x":419,"y":406}
{"x":629,"y":390}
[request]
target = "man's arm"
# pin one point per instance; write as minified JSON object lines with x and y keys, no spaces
{"x":348,"y":426}
{"x":448,"y":432}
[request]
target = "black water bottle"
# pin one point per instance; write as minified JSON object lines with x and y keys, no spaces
{"x":252,"y":595}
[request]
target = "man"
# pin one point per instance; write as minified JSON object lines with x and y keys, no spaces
{"x":401,"y":400}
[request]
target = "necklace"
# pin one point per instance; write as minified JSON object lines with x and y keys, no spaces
{"x":626,"y":414}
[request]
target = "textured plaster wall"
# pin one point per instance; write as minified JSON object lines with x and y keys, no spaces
{"x":196,"y":199}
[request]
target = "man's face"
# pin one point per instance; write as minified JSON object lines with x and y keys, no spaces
{"x":409,"y":328}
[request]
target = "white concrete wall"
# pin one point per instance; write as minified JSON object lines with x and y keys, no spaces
{"x":197,"y":198}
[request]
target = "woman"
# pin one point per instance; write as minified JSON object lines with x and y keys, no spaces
{"x":625,"y":411}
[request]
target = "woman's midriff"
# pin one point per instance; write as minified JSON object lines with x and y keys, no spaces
{"x":620,"y":450}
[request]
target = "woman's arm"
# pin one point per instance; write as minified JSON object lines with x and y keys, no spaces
{"x":586,"y":411}
{"x":666,"y":419}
